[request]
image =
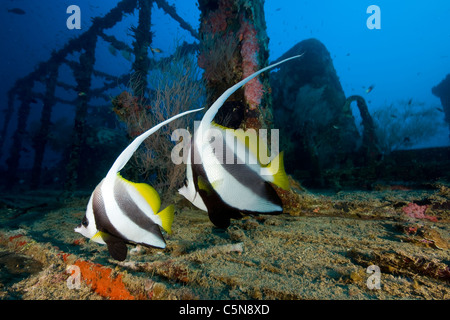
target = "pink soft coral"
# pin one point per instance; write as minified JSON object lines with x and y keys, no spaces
{"x":413,"y":210}
{"x":218,"y":19}
{"x":249,"y":51}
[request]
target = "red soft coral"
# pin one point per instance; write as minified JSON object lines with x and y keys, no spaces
{"x":102,"y":281}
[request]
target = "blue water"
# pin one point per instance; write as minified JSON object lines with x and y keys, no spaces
{"x":403,"y":59}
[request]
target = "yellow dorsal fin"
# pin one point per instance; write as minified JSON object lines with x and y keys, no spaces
{"x":276,"y":168}
{"x":150,"y":195}
{"x":219,"y":126}
{"x":148,"y":192}
{"x":166,"y":216}
{"x":249,"y":138}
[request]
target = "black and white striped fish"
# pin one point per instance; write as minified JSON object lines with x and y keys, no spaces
{"x":120,"y":211}
{"x":225,"y":176}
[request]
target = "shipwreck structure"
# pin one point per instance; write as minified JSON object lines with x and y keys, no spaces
{"x":232,"y":44}
{"x":83,"y":70}
{"x":305,"y":101}
{"x":442,"y":91}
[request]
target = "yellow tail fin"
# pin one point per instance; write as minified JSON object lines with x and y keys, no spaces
{"x":166,"y":216}
{"x":276,"y":167}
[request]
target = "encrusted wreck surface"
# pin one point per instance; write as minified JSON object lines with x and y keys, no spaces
{"x":319,"y":249}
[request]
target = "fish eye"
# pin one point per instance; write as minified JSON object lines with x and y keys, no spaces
{"x":85,"y":222}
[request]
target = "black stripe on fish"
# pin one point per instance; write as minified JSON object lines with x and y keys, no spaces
{"x":219,"y":212}
{"x":133,"y":212}
{"x":113,"y":239}
{"x":246,"y":176}
{"x":100,"y":214}
{"x":249,"y":178}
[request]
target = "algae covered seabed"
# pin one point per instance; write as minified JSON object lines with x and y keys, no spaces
{"x":320,"y":249}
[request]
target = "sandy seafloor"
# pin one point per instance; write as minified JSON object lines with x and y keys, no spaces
{"x":319,"y":249}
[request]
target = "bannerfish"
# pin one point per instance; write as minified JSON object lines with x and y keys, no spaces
{"x":121,"y":212}
{"x":228,"y":189}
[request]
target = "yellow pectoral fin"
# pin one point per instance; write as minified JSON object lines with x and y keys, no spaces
{"x":99,"y":235}
{"x":166,"y":217}
{"x":204,"y":185}
{"x":276,"y":168}
{"x":216,"y":184}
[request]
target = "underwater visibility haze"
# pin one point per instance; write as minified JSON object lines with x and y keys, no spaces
{"x":224,"y":149}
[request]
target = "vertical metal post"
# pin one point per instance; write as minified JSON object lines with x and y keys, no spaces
{"x":40,"y":141}
{"x":83,"y":77}
{"x":143,"y":39}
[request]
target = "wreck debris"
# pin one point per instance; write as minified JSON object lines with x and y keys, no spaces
{"x":423,"y":235}
{"x":317,"y":128}
{"x":178,"y":268}
{"x":320,"y":250}
{"x":399,"y":262}
{"x":442,"y":92}
{"x":369,"y":149}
